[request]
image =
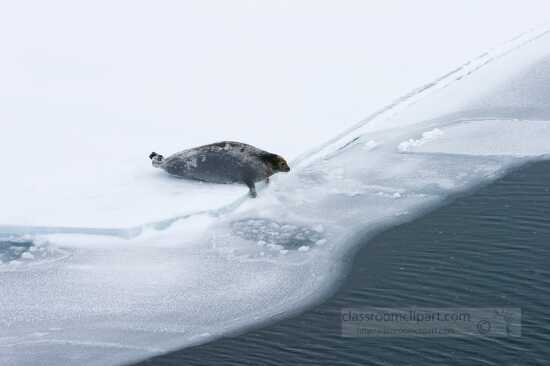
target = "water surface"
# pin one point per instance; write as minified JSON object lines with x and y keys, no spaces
{"x":489,"y":249}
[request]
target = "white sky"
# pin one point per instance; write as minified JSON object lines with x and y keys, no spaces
{"x":283,"y":75}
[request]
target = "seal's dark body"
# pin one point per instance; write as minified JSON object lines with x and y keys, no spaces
{"x":223,"y":162}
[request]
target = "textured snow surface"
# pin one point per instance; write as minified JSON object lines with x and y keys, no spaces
{"x":178,"y":263}
{"x":486,"y":137}
{"x":426,"y":137}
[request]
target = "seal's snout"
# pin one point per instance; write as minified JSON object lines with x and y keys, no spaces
{"x":284,"y":168}
{"x":152,"y":155}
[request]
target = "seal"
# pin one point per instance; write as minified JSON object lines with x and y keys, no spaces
{"x":223,"y":162}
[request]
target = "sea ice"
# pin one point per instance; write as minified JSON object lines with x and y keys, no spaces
{"x":519,"y":138}
{"x":426,"y":137}
{"x":163,"y":276}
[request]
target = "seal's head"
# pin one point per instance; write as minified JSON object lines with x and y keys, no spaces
{"x":277,"y":163}
{"x":282,"y":165}
{"x":156,"y":159}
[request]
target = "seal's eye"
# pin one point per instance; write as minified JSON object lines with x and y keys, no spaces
{"x":283,"y":166}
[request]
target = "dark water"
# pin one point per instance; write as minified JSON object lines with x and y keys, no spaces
{"x":489,"y":249}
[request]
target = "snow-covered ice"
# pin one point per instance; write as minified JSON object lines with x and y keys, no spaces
{"x":80,"y":112}
{"x":426,"y":137}
{"x":486,"y":137}
{"x":179,"y":263}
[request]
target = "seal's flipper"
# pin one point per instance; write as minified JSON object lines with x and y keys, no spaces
{"x":155,"y":156}
{"x":252,"y":187}
{"x":156,"y":159}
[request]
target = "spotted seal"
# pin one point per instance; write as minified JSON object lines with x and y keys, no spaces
{"x":223,"y":162}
